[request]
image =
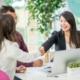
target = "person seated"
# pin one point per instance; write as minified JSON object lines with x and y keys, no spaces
{"x":37,"y":63}
{"x":67,"y":38}
{"x":3,"y":76}
{"x":9,"y":48}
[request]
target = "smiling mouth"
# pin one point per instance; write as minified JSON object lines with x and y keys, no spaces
{"x":64,"y":27}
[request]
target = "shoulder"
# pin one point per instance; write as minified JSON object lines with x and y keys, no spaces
{"x":18,"y":34}
{"x":8,"y":48}
{"x":8,"y":43}
{"x":55,"y":33}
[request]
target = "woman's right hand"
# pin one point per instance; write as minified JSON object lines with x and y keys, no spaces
{"x":41,"y":49}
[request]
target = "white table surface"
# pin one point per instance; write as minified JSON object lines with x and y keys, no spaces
{"x":35,"y":73}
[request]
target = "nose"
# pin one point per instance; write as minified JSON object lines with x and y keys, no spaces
{"x":63,"y":23}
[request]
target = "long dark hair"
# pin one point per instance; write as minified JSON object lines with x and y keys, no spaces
{"x":7,"y":28}
{"x":74,"y":35}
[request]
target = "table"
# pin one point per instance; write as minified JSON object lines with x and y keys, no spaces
{"x":35,"y":73}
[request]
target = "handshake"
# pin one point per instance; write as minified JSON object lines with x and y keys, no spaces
{"x":41,"y":49}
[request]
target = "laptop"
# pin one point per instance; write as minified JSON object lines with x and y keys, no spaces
{"x":61,"y":59}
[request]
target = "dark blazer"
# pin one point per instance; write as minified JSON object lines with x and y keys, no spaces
{"x":56,"y":38}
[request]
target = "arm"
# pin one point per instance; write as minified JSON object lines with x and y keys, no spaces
{"x":51,"y":40}
{"x":35,"y":63}
{"x":23,"y":47}
{"x":30,"y":64}
{"x":15,"y":53}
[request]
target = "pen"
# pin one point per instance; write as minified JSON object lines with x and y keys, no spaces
{"x":52,"y":76}
{"x":47,"y":67}
{"x":55,"y":76}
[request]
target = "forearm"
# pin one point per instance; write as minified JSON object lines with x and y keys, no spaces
{"x":28,"y":64}
{"x":46,"y":46}
{"x":24,"y":64}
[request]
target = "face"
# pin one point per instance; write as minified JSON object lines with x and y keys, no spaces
{"x":65,"y":26}
{"x":14,"y":16}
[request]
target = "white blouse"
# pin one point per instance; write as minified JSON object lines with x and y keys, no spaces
{"x":9,"y":55}
{"x":68,"y":46}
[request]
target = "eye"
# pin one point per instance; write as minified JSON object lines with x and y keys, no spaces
{"x":61,"y":20}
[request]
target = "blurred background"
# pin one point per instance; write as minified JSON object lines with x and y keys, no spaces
{"x":38,"y":18}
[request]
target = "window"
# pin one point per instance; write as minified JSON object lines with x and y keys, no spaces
{"x":32,"y":39}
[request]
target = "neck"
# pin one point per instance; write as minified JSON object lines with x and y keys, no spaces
{"x":67,"y":33}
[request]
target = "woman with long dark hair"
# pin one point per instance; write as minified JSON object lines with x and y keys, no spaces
{"x":67,"y":38}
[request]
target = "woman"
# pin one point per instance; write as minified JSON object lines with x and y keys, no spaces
{"x":67,"y":38}
{"x":9,"y":49}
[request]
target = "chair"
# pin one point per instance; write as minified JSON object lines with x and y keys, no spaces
{"x":3,"y":76}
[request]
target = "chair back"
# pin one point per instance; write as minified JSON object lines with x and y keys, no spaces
{"x":3,"y":76}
